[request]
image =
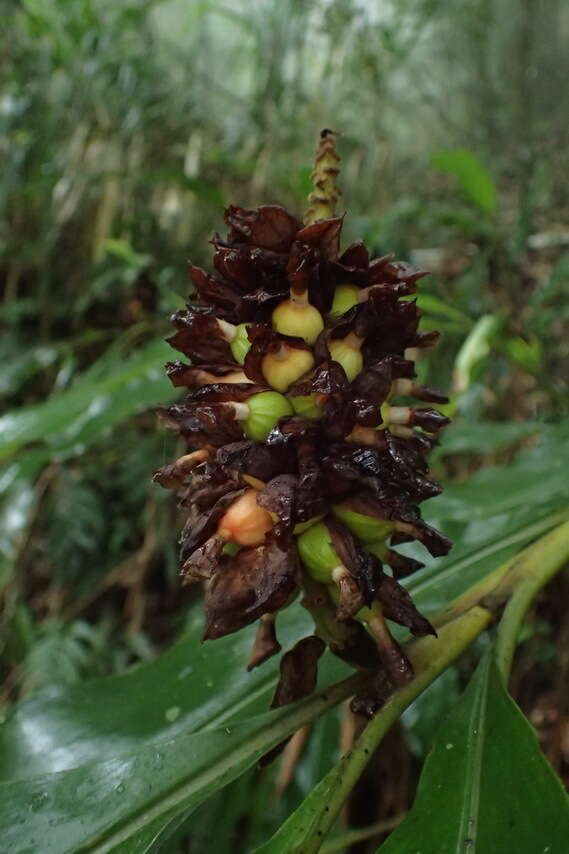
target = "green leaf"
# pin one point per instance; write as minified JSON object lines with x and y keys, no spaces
{"x":486,"y":785}
{"x":188,"y":688}
{"x":14,"y":513}
{"x":184,"y":771}
{"x":534,"y":480}
{"x":475,"y":349}
{"x":123,"y":251}
{"x":433,"y":305}
{"x":486,"y":437}
{"x":526,"y":353}
{"x":18,"y":369}
{"x":92,"y":405}
{"x":492,"y":515}
{"x":303,"y":823}
{"x":473,"y":177}
{"x":104,"y":804}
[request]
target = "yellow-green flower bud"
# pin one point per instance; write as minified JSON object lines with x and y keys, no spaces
{"x":366,"y":528}
{"x":347,"y":352}
{"x":304,"y":526}
{"x":231,"y":549}
{"x":317,"y":554}
{"x":298,"y":318}
{"x":240,"y":344}
{"x":285,"y":367}
{"x":265,"y":409}
{"x":385,"y":411}
{"x":306,"y":406}
{"x":345,"y":298}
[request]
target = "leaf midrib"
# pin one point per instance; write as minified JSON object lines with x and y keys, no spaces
{"x":251,"y":746}
{"x":468,"y":826}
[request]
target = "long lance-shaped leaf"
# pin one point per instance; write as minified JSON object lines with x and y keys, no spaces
{"x":90,"y":406}
{"x":101,"y":805}
{"x":190,"y":687}
{"x":496,"y":791}
{"x":486,"y":785}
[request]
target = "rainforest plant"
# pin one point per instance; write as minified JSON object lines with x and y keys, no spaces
{"x":304,"y":468}
{"x":306,"y":463}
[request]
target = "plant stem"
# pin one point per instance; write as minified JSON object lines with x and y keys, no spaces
{"x":486,"y":589}
{"x":490,"y":581}
{"x":527,"y":576}
{"x":430,"y":656}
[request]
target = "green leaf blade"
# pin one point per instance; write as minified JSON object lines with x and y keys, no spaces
{"x":101,"y":805}
{"x":473,"y":177}
{"x":189,"y":687}
{"x":486,"y":785}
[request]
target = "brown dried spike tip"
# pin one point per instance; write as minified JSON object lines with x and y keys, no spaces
{"x":326,"y":193}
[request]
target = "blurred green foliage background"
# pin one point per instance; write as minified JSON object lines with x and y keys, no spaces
{"x":124,"y":130}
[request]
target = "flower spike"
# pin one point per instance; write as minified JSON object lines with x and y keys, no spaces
{"x":306,"y":454}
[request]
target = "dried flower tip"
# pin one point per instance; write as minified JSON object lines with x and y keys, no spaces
{"x":286,"y":366}
{"x":430,"y":420}
{"x":227,"y":330}
{"x":348,"y":594}
{"x":245,"y":523}
{"x":397,"y":665}
{"x":173,"y":475}
{"x":412,"y":354}
{"x":202,"y":378}
{"x":364,"y":436}
{"x":410,"y":388}
{"x":266,"y":643}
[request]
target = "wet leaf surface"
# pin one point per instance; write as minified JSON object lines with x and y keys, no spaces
{"x":485,"y":786}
